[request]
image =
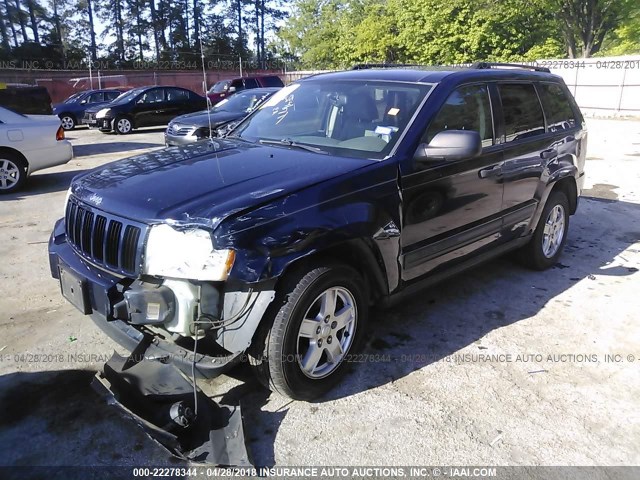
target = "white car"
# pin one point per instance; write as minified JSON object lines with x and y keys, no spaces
{"x":29,"y":143}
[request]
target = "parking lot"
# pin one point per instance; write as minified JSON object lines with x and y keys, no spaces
{"x":498,"y":366}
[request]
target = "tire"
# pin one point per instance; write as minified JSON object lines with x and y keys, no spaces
{"x":68,"y":121}
{"x":13,"y":172}
{"x":550,"y":235}
{"x":300,"y":362}
{"x":122,"y":125}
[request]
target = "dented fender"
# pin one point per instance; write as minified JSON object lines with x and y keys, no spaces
{"x":358,"y":212}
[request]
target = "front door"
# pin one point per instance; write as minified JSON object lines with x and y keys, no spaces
{"x":451,"y":209}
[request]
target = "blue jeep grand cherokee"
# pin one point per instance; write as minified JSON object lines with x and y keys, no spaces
{"x":342,"y":191}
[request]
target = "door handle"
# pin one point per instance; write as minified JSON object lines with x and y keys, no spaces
{"x":547,"y":154}
{"x":492,"y":171}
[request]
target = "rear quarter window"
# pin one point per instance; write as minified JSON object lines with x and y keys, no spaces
{"x":560,"y":115}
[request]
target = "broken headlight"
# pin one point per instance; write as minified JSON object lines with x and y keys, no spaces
{"x":186,"y":253}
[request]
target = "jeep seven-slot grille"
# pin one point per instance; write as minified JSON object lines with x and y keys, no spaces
{"x":103,"y":239}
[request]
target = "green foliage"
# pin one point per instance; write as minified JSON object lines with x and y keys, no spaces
{"x":339,"y":33}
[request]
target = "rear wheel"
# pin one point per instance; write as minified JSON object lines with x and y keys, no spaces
{"x":122,"y":125}
{"x":550,"y":236}
{"x":13,"y":172}
{"x":317,"y":319}
{"x":68,"y":122}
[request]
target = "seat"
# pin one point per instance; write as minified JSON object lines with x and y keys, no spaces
{"x":358,"y":114}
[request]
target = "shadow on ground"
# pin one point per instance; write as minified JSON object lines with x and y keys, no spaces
{"x":112,"y":147}
{"x":54,"y":418}
{"x":41,"y":183}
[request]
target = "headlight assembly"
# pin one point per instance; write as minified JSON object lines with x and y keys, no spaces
{"x":102,"y":113}
{"x":187,"y":254}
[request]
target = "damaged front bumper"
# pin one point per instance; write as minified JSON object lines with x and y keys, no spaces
{"x":182,"y":419}
{"x":114,"y":304}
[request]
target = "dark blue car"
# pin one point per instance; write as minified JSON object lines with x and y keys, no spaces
{"x":341,"y":193}
{"x":72,"y":109}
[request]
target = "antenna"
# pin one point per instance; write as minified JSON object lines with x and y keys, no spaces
{"x":204,"y":85}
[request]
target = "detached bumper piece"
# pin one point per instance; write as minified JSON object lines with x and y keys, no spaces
{"x":161,"y":400}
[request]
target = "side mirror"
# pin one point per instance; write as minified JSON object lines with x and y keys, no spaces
{"x":450,"y":145}
{"x":232,"y":89}
{"x":83,"y":102}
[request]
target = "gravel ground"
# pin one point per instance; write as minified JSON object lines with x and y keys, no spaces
{"x":499,"y":366}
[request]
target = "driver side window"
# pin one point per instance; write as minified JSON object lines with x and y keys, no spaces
{"x":467,"y":108}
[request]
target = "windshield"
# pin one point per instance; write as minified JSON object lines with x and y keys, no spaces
{"x":240,"y":102}
{"x":350,"y":118}
{"x":219,"y":87}
{"x":126,"y":96}
{"x":74,"y":97}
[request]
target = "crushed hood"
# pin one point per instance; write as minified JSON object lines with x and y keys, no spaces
{"x":204,"y":182}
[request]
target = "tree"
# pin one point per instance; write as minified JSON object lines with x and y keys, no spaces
{"x":586,"y":24}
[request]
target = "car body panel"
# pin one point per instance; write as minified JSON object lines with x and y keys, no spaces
{"x":34,"y":136}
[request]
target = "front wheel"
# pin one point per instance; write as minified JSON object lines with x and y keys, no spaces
{"x":68,"y":122}
{"x":122,"y":125}
{"x":550,"y":235}
{"x":316,"y":320}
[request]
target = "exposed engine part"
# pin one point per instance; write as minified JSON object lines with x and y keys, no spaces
{"x":146,"y":303}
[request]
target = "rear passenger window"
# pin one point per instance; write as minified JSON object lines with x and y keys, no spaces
{"x":467,"y":108}
{"x":111,"y":95}
{"x":560,"y":116}
{"x":522,"y":111}
{"x":251,"y":83}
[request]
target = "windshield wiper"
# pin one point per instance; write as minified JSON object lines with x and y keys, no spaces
{"x":290,"y":143}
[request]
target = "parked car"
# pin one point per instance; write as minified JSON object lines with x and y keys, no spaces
{"x":71,"y":111}
{"x":341,"y":191}
{"x":192,"y":127}
{"x":29,"y":143}
{"x":144,"y":107}
{"x":225,"y":88}
{"x":26,"y":99}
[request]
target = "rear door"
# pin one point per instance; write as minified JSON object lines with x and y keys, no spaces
{"x":531,"y":144}
{"x":177,"y":103}
{"x":451,"y":209}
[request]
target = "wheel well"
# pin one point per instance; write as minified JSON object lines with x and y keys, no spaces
{"x":68,"y":114}
{"x":568,"y":186}
{"x":16,"y":153}
{"x":355,"y":254}
{"x":124,"y":115}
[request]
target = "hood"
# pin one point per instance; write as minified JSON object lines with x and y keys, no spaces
{"x":201,"y":119}
{"x":205,"y":182}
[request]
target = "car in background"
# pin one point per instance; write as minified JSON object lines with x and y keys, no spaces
{"x":196,"y":126}
{"x":144,"y":107}
{"x":26,"y":99}
{"x":225,"y":88}
{"x":71,"y":111}
{"x":29,"y":143}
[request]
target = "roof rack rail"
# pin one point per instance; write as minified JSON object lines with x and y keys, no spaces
{"x":365,"y":66}
{"x":486,"y":65}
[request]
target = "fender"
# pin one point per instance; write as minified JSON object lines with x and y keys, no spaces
{"x":564,"y":168}
{"x":357,"y":223}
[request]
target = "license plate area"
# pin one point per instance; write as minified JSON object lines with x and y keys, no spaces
{"x":74,"y":289}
